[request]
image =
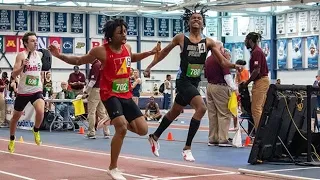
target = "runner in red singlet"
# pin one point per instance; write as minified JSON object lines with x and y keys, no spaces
{"x":115,"y":92}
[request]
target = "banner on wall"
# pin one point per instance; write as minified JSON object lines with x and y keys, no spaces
{"x":132,"y":25}
{"x":44,"y":21}
{"x":227,"y":26}
{"x":55,"y":41}
{"x":280,"y":20}
{"x":20,"y":44}
{"x":1,"y":44}
{"x":296,"y":52}
{"x":10,"y":43}
{"x":77,"y":25}
{"x":303,"y":21}
{"x":238,"y":49}
{"x":163,"y":27}
{"x":314,"y":21}
{"x":79,"y":45}
{"x":243,"y":25}
{"x":67,"y":45}
{"x":177,"y":27}
{"x":42,"y":42}
{"x":95,"y":42}
{"x":313,"y":51}
{"x":20,"y":20}
{"x":212,"y":27}
{"x":26,"y":121}
{"x":265,"y":46}
{"x":282,"y":53}
{"x":60,"y":22}
{"x":148,"y":26}
{"x":5,"y":20}
{"x":291,"y":23}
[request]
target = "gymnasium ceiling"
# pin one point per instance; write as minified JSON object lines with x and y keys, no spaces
{"x":163,"y":7}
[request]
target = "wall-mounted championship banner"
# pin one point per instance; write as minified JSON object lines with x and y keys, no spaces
{"x":20,"y":44}
{"x":177,"y":27}
{"x":56,"y":41}
{"x":5,"y":20}
{"x":77,"y":23}
{"x":101,"y":20}
{"x":20,"y":20}
{"x":60,"y":22}
{"x":212,"y":27}
{"x":238,"y":50}
{"x":243,"y":25}
{"x":314,"y":21}
{"x":227,"y":26}
{"x":132,"y":25}
{"x":43,"y":21}
{"x":260,"y":23}
{"x":303,"y":21}
{"x":265,"y":46}
{"x":291,"y":23}
{"x":296,"y":52}
{"x":280,"y":20}
{"x":163,"y":27}
{"x":148,"y":26}
{"x":313,"y":51}
{"x":282,"y":53}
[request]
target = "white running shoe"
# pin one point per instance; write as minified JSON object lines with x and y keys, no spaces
{"x":187,"y":155}
{"x":116,"y":174}
{"x":155,"y":146}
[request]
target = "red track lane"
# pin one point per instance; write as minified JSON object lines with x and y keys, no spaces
{"x":50,"y":162}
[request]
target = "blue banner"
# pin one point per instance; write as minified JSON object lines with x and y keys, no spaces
{"x":282,"y":53}
{"x":20,"y":20}
{"x":5,"y":20}
{"x":148,"y":26}
{"x":228,"y":46}
{"x":67,"y":45}
{"x":132,"y":25}
{"x":265,"y":44}
{"x":1,"y":44}
{"x":296,"y":53}
{"x":60,"y":22}
{"x":177,"y":27}
{"x":163,"y":27}
{"x":77,"y":23}
{"x":239,"y":54}
{"x":44,"y":21}
{"x":101,"y":19}
{"x":313,"y":51}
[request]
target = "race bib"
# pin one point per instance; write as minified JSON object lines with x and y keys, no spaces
{"x":120,"y":85}
{"x":32,"y":80}
{"x":194,"y":70}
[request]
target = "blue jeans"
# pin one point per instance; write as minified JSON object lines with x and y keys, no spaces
{"x":62,"y":110}
{"x":166,"y":101}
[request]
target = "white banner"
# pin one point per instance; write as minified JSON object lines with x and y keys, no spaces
{"x":212,"y":27}
{"x":303,"y":21}
{"x":80,"y":46}
{"x":314,"y":21}
{"x":280,"y":24}
{"x":291,"y":23}
{"x":27,"y":119}
{"x":243,"y":26}
{"x":261,"y":25}
{"x":95,"y":42}
{"x":227,"y":26}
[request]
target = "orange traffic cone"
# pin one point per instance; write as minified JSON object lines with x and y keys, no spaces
{"x":248,"y":140}
{"x":170,"y":137}
{"x":81,"y":130}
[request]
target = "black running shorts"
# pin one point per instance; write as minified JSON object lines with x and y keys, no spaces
{"x":118,"y":106}
{"x":186,"y":91}
{"x":21,"y":101}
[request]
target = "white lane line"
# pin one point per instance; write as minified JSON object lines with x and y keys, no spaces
{"x":16,"y":175}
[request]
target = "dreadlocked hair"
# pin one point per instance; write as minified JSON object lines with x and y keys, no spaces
{"x":188,"y":13}
{"x":255,"y":37}
{"x":111,"y":25}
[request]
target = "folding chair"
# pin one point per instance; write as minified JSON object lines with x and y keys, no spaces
{"x":246,"y":105}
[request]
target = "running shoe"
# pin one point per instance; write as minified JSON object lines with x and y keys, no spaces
{"x":155,"y":146}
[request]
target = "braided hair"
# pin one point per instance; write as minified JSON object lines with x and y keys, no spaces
{"x":111,"y":25}
{"x":255,"y":37}
{"x":188,"y":13}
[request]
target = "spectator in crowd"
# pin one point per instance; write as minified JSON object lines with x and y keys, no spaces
{"x":77,"y":81}
{"x":152,"y":112}
{"x":2,"y":103}
{"x":167,"y":93}
{"x":13,"y":85}
{"x":136,"y":86}
{"x":61,"y":108}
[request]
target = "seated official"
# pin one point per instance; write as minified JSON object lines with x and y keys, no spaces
{"x":152,"y":111}
{"x":61,"y":108}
